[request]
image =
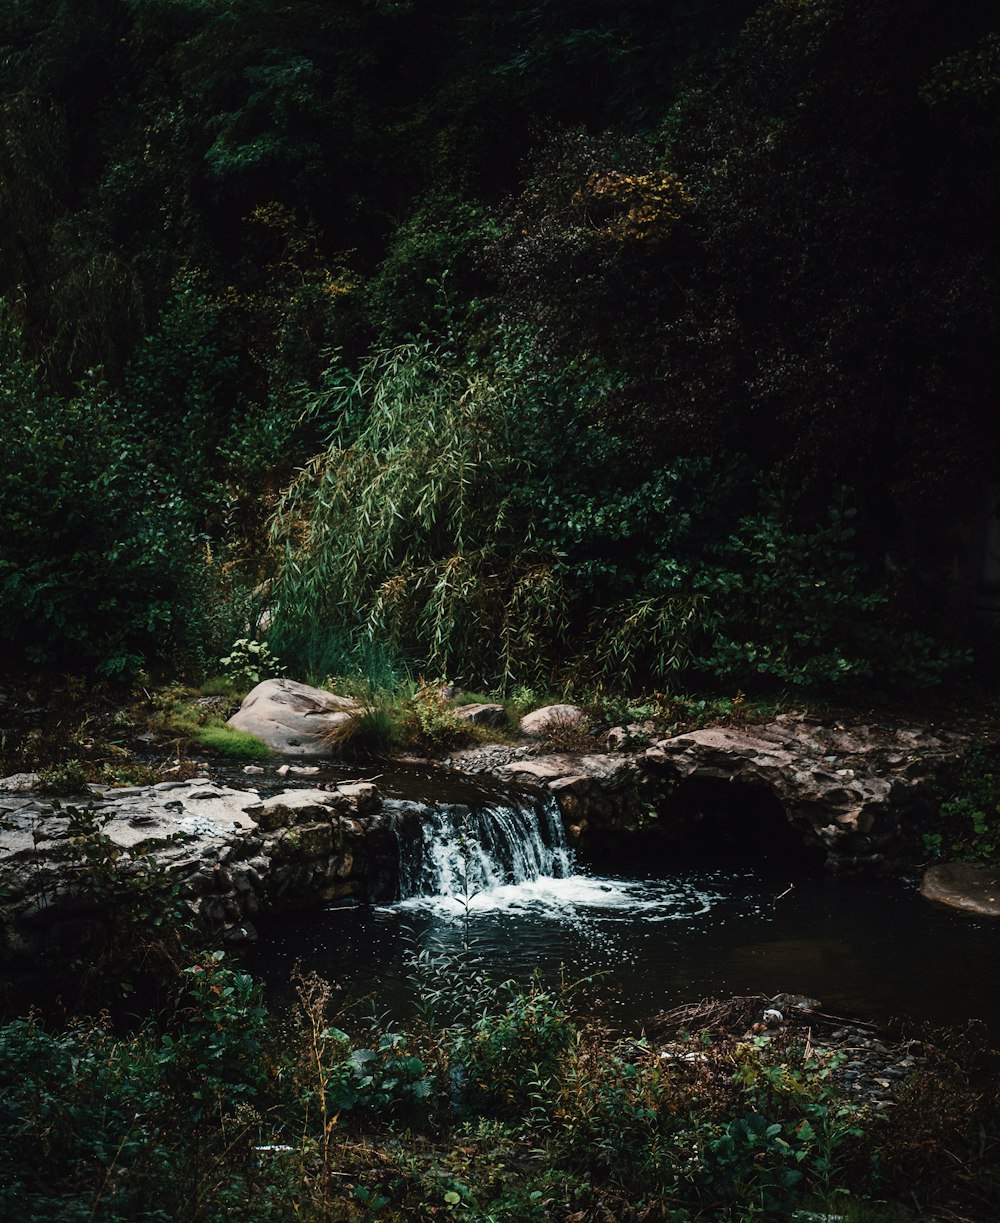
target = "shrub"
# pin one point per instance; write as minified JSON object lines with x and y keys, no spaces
{"x":98,"y":561}
{"x":63,"y":780}
{"x":968,"y":821}
{"x":404,"y":530}
{"x":248,"y":662}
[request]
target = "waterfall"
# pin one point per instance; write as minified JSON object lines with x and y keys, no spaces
{"x":460,"y":851}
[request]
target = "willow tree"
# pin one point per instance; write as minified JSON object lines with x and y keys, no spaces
{"x":405,"y":530}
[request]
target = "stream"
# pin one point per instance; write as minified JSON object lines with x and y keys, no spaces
{"x":491,"y":879}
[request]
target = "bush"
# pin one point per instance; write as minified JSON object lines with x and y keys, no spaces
{"x":98,"y":561}
{"x":968,"y":822}
{"x":404,"y":530}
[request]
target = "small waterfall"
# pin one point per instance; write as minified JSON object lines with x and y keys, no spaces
{"x":460,"y":851}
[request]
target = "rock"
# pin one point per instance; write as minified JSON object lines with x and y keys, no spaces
{"x":294,"y":807}
{"x":19,"y":783}
{"x":230,"y":854}
{"x":482,"y":715}
{"x":293,"y":719}
{"x":798,"y":1002}
{"x":964,"y":886}
{"x":363,"y":795}
{"x":633,"y":737}
{"x":850,"y":790}
{"x":548,"y":718}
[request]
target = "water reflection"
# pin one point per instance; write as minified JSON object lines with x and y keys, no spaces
{"x":864,"y":948}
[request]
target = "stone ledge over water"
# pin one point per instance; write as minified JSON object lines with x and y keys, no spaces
{"x":858,"y":792}
{"x":230,"y":852}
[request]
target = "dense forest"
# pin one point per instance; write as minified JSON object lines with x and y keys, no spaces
{"x":644,"y":344}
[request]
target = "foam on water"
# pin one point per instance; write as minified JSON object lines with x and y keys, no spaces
{"x":574,"y":898}
{"x":511,"y":858}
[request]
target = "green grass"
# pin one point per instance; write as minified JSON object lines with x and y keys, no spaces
{"x":227,"y":741}
{"x":223,"y":685}
{"x":179,"y":716}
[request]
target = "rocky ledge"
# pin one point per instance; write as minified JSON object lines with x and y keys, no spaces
{"x":230,"y":852}
{"x":859,"y":794}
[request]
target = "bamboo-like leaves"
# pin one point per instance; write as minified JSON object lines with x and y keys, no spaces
{"x":410,"y":534}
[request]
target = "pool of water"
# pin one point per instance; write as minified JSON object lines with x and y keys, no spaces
{"x":675,"y":933}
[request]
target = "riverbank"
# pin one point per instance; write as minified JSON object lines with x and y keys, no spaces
{"x":493,"y":1103}
{"x":472,"y":1098}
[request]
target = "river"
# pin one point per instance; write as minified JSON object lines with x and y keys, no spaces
{"x":671,"y":929}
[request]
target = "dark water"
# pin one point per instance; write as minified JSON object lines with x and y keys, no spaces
{"x":868,"y":948}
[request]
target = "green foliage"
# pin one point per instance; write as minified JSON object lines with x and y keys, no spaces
{"x":248,"y":662}
{"x":134,"y":1127}
{"x":96,"y":554}
{"x":459,"y":515}
{"x":63,"y":780}
{"x":228,"y":741}
{"x":967,"y":826}
{"x":402,"y":530}
{"x":503,"y":1102}
{"x":383,"y":1081}
{"x":215,"y":1057}
{"x":697,"y":257}
{"x":189,"y":718}
{"x":502,"y":1059}
{"x":432,"y":725}
{"x":800,"y":609}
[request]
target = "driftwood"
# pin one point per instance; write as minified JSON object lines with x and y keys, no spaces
{"x":734,"y":1016}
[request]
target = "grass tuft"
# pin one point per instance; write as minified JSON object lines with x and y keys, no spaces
{"x":228,"y":741}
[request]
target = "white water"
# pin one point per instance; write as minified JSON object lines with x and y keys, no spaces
{"x":461,"y":853}
{"x":513,"y":857}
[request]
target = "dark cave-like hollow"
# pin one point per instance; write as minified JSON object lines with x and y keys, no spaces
{"x":711,"y":817}
{"x":708,"y":821}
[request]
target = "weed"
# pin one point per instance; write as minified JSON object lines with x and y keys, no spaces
{"x":968,"y":822}
{"x":248,"y":662}
{"x":63,"y":780}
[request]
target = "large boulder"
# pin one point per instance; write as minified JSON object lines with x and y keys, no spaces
{"x":293,"y":719}
{"x":964,"y":886}
{"x":550,"y":718}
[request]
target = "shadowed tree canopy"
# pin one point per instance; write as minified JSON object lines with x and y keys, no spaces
{"x":684,"y":238}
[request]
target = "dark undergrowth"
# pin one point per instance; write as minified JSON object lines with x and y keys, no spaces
{"x":492,"y":1102}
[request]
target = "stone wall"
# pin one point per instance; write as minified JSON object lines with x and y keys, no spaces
{"x":230,"y":853}
{"x":858,"y":793}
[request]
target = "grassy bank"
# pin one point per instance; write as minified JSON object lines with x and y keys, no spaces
{"x":490,"y":1103}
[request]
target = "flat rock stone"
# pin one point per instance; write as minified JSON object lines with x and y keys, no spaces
{"x":293,"y":719}
{"x":482,"y":715}
{"x":964,"y":886}
{"x":18,"y":783}
{"x":293,"y":807}
{"x":550,"y":717}
{"x":231,"y":853}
